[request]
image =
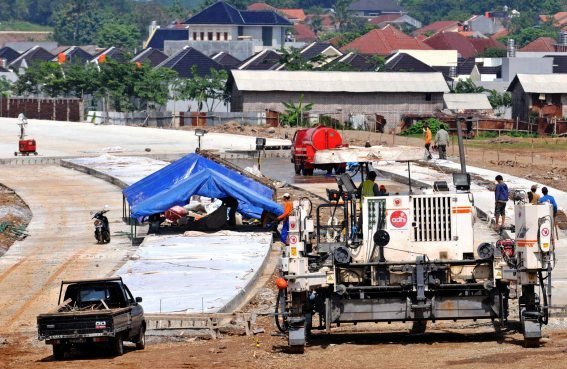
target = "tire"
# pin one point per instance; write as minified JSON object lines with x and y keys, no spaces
{"x":141,"y":339}
{"x":98,"y":236}
{"x":58,"y":352}
{"x":105,"y":237}
{"x":118,"y":345}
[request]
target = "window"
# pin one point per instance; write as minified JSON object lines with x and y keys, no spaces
{"x":202,"y":36}
{"x":194,"y":35}
{"x":210,"y":36}
{"x":218,"y":36}
{"x":428,"y":96}
{"x":240,"y":31}
{"x":226,"y":36}
{"x":267,"y":36}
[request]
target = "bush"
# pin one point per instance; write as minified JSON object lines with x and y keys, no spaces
{"x":417,"y":128}
{"x":487,"y":134}
{"x":515,"y":133}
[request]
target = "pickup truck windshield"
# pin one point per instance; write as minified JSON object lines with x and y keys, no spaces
{"x":85,"y":295}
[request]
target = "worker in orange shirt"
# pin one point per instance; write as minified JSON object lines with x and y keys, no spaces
{"x":288,"y":206}
{"x":427,"y":136}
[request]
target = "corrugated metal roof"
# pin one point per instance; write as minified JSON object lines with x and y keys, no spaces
{"x":338,"y":81}
{"x":542,"y":83}
{"x":466,"y":102}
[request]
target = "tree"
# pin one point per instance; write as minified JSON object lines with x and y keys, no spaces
{"x":153,"y":87}
{"x":295,"y":113}
{"x":342,"y":14}
{"x":500,"y":101}
{"x":493,"y":52}
{"x":120,"y":35}
{"x":467,"y":86}
{"x":293,"y":60}
{"x":5,"y":87}
{"x":208,"y":90}
{"x":77,"y":23}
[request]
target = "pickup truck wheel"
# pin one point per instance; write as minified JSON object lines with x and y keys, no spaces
{"x":58,"y":352}
{"x":118,"y":345}
{"x":141,"y":341}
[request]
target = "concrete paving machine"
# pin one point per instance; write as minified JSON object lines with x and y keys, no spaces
{"x":412,"y":258}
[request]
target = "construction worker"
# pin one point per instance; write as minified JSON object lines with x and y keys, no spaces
{"x":548,"y":198}
{"x":288,"y":206}
{"x":368,"y":187}
{"x":427,"y":137}
{"x":533,"y":197}
{"x":501,"y":195}
{"x":441,"y":140}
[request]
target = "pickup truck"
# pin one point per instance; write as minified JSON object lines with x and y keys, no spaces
{"x":93,"y":312}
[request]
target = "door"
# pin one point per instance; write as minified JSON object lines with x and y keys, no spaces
{"x":267,"y":36}
{"x":136,"y":313}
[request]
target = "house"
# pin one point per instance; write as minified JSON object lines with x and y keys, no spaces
{"x":293,"y":15}
{"x":374,"y":8}
{"x":150,"y":56}
{"x":541,"y":44}
{"x":187,"y":58}
{"x":320,"y":49}
{"x":22,"y":46}
{"x":401,"y":62}
{"x":303,"y":33}
{"x":264,"y":60}
{"x":33,"y":55}
{"x":223,"y":22}
{"x":339,"y":93}
{"x":559,"y":19}
{"x":384,"y":41}
{"x":466,"y":46}
{"x":110,"y":53}
{"x":402,"y":21}
{"x":544,"y":95}
{"x":7,"y":55}
{"x":434,"y":58}
{"x":559,"y":63}
{"x":487,"y":24}
{"x":357,"y":62}
{"x":468,"y":103}
{"x":158,"y":36}
{"x":226,"y":60}
{"x":328,"y":22}
{"x":73,"y":54}
{"x":437,"y":27}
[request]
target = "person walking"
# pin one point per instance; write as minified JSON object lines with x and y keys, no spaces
{"x":549,"y":199}
{"x":533,"y":197}
{"x":442,"y":140}
{"x":427,"y":137}
{"x":288,"y":207}
{"x":501,"y":195}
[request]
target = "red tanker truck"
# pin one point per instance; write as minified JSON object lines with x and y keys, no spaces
{"x":307,"y":141}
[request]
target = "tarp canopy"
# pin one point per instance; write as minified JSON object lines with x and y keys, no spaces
{"x":196,"y":175}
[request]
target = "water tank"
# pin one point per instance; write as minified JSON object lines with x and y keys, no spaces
{"x":511,"y":48}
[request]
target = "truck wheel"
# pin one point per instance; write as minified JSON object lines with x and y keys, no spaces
{"x":118,"y":345}
{"x":141,"y":341}
{"x":58,"y":352}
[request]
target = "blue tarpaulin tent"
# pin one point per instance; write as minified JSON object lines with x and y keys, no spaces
{"x":196,"y":175}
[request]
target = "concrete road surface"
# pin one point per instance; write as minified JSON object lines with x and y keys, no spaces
{"x":61,"y":244}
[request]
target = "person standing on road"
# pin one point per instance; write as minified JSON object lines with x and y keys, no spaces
{"x":442,"y":140}
{"x":548,"y":198}
{"x":501,"y":195}
{"x":288,"y":207}
{"x":533,"y":197}
{"x":427,"y":137}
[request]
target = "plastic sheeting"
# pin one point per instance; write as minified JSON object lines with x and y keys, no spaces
{"x":355,"y":154}
{"x":195,"y":175}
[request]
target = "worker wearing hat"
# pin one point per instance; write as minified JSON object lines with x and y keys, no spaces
{"x":288,"y":206}
{"x":533,"y":197}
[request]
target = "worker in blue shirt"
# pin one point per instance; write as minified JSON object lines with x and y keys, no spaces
{"x":548,"y":198}
{"x":501,"y":195}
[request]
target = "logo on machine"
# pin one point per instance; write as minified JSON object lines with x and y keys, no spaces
{"x":399,"y":219}
{"x":545,"y":232}
{"x":397,"y":202}
{"x":292,"y":239}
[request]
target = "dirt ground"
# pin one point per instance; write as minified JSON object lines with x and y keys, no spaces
{"x":14,"y":218}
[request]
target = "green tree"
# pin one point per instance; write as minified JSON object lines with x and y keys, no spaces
{"x":153,"y":86}
{"x":342,"y":14}
{"x":467,"y":86}
{"x":493,"y":52}
{"x":294,"y":114}
{"x":208,"y":90}
{"x":500,"y":101}
{"x":177,"y":11}
{"x":5,"y":87}
{"x":77,"y":23}
{"x":124,"y":36}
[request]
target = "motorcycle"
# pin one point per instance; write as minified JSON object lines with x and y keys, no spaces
{"x":102,"y":229}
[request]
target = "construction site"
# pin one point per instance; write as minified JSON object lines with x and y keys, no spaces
{"x":244,"y":246}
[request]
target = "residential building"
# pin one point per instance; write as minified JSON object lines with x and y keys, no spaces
{"x":7,"y":55}
{"x":437,"y":27}
{"x":158,"y":36}
{"x":33,"y":55}
{"x":303,"y":33}
{"x":340,"y":94}
{"x":23,"y":46}
{"x":226,"y":60}
{"x":73,"y":54}
{"x":559,"y":19}
{"x":401,"y":62}
{"x":357,"y":62}
{"x":466,"y":46}
{"x":541,"y":44}
{"x":487,"y":24}
{"x":374,"y":8}
{"x":110,"y":53}
{"x":264,"y":60}
{"x":150,"y":56}
{"x":188,"y":58}
{"x":384,"y":41}
{"x":222,"y":22}
{"x":544,"y":95}
{"x":402,"y":21}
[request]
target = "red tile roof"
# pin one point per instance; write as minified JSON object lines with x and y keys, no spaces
{"x":502,"y":33}
{"x":298,"y":14}
{"x":383,"y":18}
{"x":436,"y":27}
{"x":304,"y":33}
{"x":260,"y":6}
{"x":481,"y":44}
{"x":384,"y":41}
{"x":452,"y":41}
{"x":559,"y":19}
{"x":541,"y":44}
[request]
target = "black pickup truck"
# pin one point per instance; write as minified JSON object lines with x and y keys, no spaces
{"x":93,"y":312}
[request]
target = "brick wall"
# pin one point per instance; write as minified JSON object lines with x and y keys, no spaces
{"x":42,"y":108}
{"x":390,"y":105}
